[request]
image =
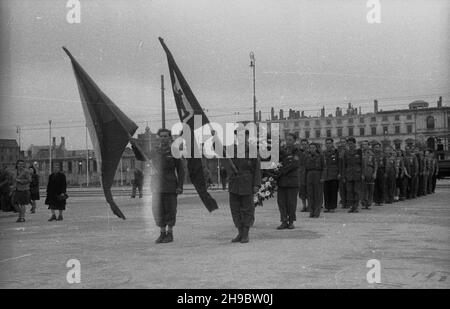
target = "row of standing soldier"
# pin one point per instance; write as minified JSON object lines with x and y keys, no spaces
{"x":361,"y":176}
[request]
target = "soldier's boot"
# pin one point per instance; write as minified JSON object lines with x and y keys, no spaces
{"x":244,"y":238}
{"x":238,"y":236}
{"x":168,"y":238}
{"x":52,"y":218}
{"x":283,"y":226}
{"x":291,"y":226}
{"x":160,"y":238}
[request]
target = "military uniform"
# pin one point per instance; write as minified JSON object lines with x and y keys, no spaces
{"x":390,"y":177}
{"x":352,"y":175}
{"x":240,"y":187}
{"x":370,"y":167}
{"x":420,"y":176}
{"x":342,"y":187}
{"x":302,"y":174}
{"x":331,"y":182}
{"x":435,"y":174}
{"x":168,"y":176}
{"x":426,"y":172}
{"x":431,"y":166}
{"x":378,"y":194}
{"x":410,"y":178}
{"x":399,"y":172}
{"x":314,"y":187}
{"x":288,"y":184}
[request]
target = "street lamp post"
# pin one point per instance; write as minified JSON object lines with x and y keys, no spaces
{"x":50,"y":146}
{"x":253,"y":66}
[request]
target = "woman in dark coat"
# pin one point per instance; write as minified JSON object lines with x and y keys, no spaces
{"x":56,"y":194}
{"x":34,"y":189}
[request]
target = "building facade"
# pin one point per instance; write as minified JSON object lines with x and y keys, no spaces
{"x":419,"y":123}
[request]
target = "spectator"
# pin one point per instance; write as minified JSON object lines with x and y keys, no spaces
{"x":22,"y":189}
{"x":56,"y":194}
{"x":34,"y":188}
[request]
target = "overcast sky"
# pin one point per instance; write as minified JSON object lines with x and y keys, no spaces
{"x":309,"y":54}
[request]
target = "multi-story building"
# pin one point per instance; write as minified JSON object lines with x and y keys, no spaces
{"x":9,"y":152}
{"x":419,"y":123}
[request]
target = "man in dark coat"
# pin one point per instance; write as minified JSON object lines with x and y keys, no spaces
{"x":314,"y":180}
{"x":166,"y":184}
{"x":244,"y":182}
{"x":223,"y":177}
{"x":5,"y":189}
{"x":56,"y":193}
{"x":288,"y":183}
{"x":138,"y":182}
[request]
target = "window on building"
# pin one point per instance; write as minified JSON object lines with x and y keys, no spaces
{"x":94,"y":167}
{"x":286,"y":124}
{"x":296,"y":124}
{"x":350,"y":120}
{"x":397,"y":117}
{"x":328,"y":133}
{"x":385,"y":118}
{"x":350,"y":131}
{"x":385,"y":130}
{"x":306,"y":123}
{"x":409,"y":128}
{"x":397,"y":129}
{"x":317,"y":122}
{"x":339,"y":132}
{"x":430,"y":122}
{"x":306,"y":134}
{"x":409,"y":117}
{"x":317,"y":133}
{"x":339,"y":121}
{"x":328,"y":122}
{"x":69,"y":167}
{"x":373,"y":119}
{"x":374,"y":130}
{"x":361,"y":119}
{"x":361,"y":132}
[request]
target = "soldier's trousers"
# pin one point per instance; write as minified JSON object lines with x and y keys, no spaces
{"x":378,"y":192}
{"x":314,"y":191}
{"x":242,"y":210}
{"x":430,"y":184}
{"x":414,"y":186}
{"x":343,"y":193}
{"x":407,"y":186}
{"x":287,"y":203}
{"x":420,"y":185}
{"x":401,"y":188}
{"x":353,"y":193}
{"x":368,"y":187}
{"x":330,"y":192}
{"x":164,"y":208}
{"x":425,"y":185}
{"x":389,"y":187}
{"x":433,"y":187}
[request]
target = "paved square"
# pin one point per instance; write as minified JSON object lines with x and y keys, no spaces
{"x":410,"y":239}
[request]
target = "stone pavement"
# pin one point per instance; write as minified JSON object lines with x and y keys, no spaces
{"x":410,"y":239}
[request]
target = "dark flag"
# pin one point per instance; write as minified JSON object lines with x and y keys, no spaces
{"x":188,"y":106}
{"x":109,"y":128}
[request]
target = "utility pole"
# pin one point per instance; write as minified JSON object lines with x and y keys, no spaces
{"x":253,"y":66}
{"x":87,"y":158}
{"x":50,"y":146}
{"x":18,"y":132}
{"x":163,"y":108}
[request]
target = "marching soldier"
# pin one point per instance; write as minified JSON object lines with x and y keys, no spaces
{"x":353,"y":174}
{"x":244,"y":181}
{"x":302,"y":174}
{"x":288,"y":183}
{"x":314,"y":180}
{"x":399,"y":171}
{"x":166,"y":184}
{"x":390,"y":175}
{"x":331,"y":175}
{"x":370,"y":174}
{"x":421,"y":163}
{"x":342,"y":147}
{"x":411,"y":169}
{"x":380,"y":159}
